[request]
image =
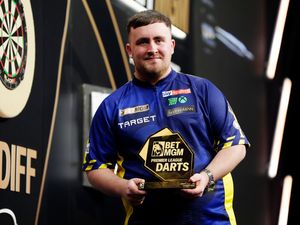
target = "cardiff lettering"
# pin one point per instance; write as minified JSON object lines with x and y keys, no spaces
{"x":15,"y":162}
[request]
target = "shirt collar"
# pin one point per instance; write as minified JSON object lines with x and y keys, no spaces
{"x":160,"y":83}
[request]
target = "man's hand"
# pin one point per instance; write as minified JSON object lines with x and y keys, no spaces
{"x":133,"y":195}
{"x":201,"y":180}
{"x":107,"y":182}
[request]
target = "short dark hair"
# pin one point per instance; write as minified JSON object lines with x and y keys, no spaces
{"x":147,"y":17}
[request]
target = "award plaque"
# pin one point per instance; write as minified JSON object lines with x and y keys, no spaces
{"x":167,"y":156}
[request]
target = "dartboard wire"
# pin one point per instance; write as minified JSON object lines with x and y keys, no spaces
{"x":3,"y":25}
{"x":6,"y":22}
{"x":4,"y":61}
{"x":6,"y":56}
{"x":2,"y":51}
{"x":17,"y":23}
{"x":9,"y":53}
{"x":16,"y":16}
{"x":18,"y":40}
{"x":18,"y":44}
{"x":16,"y":60}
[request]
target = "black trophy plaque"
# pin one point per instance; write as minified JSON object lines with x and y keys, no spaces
{"x":167,"y":156}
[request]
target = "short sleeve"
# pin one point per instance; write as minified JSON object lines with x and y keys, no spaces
{"x":101,"y":148}
{"x":224,"y":124}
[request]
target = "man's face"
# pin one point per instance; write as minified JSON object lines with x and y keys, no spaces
{"x":151,"y":48}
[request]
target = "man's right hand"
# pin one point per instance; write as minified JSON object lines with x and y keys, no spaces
{"x":133,"y":194}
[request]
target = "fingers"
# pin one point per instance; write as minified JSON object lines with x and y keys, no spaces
{"x":201,"y":181}
{"x":134,"y":186}
{"x":135,"y":196}
{"x":193,"y":193}
{"x":196,"y":177}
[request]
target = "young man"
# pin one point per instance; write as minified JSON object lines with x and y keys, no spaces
{"x":149,"y":103}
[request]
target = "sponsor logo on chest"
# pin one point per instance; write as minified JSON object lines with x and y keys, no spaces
{"x":135,"y":121}
{"x":176,"y":92}
{"x":133,"y":110}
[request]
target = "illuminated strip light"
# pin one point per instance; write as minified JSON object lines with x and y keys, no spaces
{"x":176,"y":32}
{"x":279,"y":129}
{"x":277,"y":38}
{"x":285,"y":200}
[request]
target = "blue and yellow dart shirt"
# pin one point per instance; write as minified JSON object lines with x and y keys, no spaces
{"x":189,"y":105}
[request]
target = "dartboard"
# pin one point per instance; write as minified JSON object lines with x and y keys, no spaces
{"x":17,"y":55}
{"x":13,"y":39}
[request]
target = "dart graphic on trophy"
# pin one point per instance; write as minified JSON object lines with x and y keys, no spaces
{"x":167,"y":156}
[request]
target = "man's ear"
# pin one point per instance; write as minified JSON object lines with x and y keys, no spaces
{"x":128,"y":50}
{"x":173,"y":45}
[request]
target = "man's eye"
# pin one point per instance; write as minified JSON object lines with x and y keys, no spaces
{"x":141,"y":42}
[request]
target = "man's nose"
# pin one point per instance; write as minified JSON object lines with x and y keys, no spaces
{"x":152,"y":48}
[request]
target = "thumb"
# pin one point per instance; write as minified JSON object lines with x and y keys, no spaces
{"x":138,"y":180}
{"x":196,"y":177}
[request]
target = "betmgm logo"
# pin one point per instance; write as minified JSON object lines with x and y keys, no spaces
{"x":17,"y":52}
{"x":158,"y":148}
{"x":166,"y":148}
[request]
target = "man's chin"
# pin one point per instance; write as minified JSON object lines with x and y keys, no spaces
{"x":155,"y":69}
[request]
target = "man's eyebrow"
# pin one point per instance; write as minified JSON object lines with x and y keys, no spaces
{"x":146,"y":39}
{"x":159,"y":37}
{"x":142,"y":40}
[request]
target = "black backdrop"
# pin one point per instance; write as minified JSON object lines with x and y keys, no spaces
{"x":31,"y":129}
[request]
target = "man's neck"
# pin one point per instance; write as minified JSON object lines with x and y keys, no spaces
{"x":152,"y":78}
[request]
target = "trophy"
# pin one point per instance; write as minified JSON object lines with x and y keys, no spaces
{"x":167,"y":156}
